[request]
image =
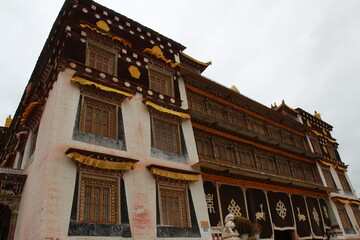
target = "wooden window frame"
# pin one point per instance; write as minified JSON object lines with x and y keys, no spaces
{"x":183,"y":212}
{"x":164,"y":144}
{"x":111,"y":129}
{"x":345,"y":185}
{"x":98,"y":180}
{"x":165,"y":76}
{"x":344,"y":218}
{"x":329,"y":180}
{"x":102,"y":51}
{"x":356,"y":212}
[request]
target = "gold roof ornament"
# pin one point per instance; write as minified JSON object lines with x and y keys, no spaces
{"x":8,"y":121}
{"x":235,"y":89}
{"x":317,"y":115}
{"x":103,"y":25}
{"x":156,"y":51}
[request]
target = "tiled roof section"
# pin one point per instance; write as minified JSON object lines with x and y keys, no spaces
{"x":11,"y":171}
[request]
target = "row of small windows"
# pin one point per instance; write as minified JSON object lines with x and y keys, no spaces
{"x":98,"y":200}
{"x":103,"y":119}
{"x":104,"y":60}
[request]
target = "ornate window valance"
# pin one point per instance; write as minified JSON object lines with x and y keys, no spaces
{"x":83,"y":81}
{"x":346,"y":201}
{"x":167,"y":110}
{"x":98,"y":160}
{"x":174,"y":174}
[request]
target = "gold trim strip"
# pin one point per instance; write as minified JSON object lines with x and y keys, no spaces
{"x":334,"y":166}
{"x":83,"y":81}
{"x":123,"y":41}
{"x":197,"y":61}
{"x":165,"y":110}
{"x":97,"y":163}
{"x":174,"y":175}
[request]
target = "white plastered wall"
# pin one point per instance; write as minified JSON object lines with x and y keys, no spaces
{"x":48,"y":193}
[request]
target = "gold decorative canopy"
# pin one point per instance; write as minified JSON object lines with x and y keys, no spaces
{"x":166,"y":110}
{"x":83,"y":81}
{"x":173,"y":175}
{"x":99,"y":163}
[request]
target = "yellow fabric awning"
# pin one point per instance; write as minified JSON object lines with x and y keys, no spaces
{"x":346,"y":201}
{"x":174,"y":175}
{"x":334,"y":165}
{"x":165,"y":110}
{"x":123,"y":41}
{"x":83,"y":81}
{"x":97,"y":163}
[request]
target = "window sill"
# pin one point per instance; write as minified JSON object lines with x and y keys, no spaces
{"x":99,"y":140}
{"x":170,"y":156}
{"x":97,"y":229}
{"x":166,"y":232}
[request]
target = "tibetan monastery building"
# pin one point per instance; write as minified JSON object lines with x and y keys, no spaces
{"x":118,"y":135}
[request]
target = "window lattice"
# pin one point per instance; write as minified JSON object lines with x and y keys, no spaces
{"x":100,"y":59}
{"x":166,"y":136}
{"x":174,"y":206}
{"x":356,"y":212}
{"x":328,"y":178}
{"x":98,"y":118}
{"x":344,"y":183}
{"x":161,"y":82}
{"x":344,"y":218}
{"x":98,"y":199}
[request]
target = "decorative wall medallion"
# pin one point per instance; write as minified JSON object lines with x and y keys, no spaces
{"x":260,"y":215}
{"x":210,"y":202}
{"x":316,"y":216}
{"x":103,"y":25}
{"x":281,"y":209}
{"x":134,"y":72}
{"x":234,"y":209}
{"x":301,"y":217}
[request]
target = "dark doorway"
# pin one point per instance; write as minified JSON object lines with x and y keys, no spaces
{"x":284,"y":235}
{"x":5,"y":216}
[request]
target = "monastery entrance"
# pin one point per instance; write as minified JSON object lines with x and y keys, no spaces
{"x":5,"y":216}
{"x":284,"y":235}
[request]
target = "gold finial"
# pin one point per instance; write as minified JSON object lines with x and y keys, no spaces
{"x":8,"y":121}
{"x":317,"y":115}
{"x":235,"y":89}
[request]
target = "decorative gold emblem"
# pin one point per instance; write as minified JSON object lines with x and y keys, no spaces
{"x":234,"y":209}
{"x":316,"y":216}
{"x":301,"y":217}
{"x":210,"y":202}
{"x":281,"y":209}
{"x":134,"y":71}
{"x":260,"y":215}
{"x":103,"y":25}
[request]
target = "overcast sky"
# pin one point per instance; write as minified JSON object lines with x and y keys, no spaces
{"x":305,"y":52}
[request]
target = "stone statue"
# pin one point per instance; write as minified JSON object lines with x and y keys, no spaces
{"x":229,"y":224}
